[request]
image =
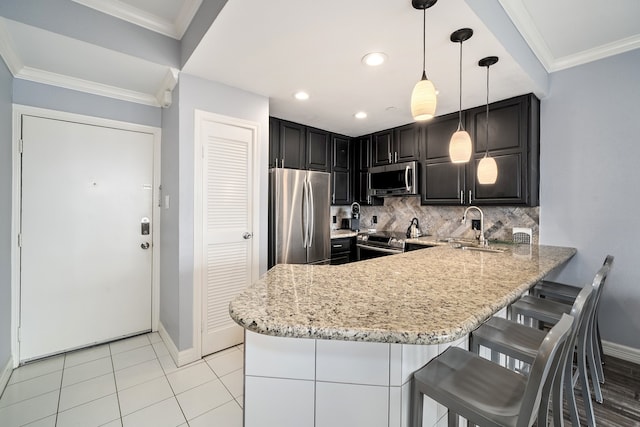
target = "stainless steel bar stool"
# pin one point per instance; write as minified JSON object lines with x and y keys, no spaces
{"x":567,"y":293}
{"x":549,"y":312}
{"x":486,"y":393}
{"x":521,"y":342}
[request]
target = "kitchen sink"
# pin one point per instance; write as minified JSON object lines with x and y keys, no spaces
{"x":470,"y":245}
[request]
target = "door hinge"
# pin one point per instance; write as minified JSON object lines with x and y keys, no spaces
{"x":19,"y":240}
{"x":20,"y":145}
{"x":19,"y":334}
{"x":203,"y":151}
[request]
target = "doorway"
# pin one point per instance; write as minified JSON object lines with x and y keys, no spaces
{"x":86,"y":227}
{"x":226,"y":225}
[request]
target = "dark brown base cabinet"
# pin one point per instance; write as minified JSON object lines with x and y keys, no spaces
{"x":514,"y":142}
{"x":342,"y":250}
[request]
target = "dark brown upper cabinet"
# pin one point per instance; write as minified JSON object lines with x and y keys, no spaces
{"x":514,"y":141}
{"x":318,"y":150}
{"x":401,"y":144}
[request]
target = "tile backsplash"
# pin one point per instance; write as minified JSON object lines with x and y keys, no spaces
{"x":444,"y":221}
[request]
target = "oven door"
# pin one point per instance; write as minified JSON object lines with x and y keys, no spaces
{"x":364,"y":251}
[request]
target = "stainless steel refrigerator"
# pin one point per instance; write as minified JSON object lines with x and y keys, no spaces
{"x":299,"y":211}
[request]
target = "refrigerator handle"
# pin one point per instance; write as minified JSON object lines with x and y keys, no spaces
{"x":312,"y":224}
{"x":305,"y":214}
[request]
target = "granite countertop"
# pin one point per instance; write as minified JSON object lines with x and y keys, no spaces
{"x":429,"y":296}
{"x":336,"y":234}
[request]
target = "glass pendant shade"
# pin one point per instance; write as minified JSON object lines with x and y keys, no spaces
{"x":460,"y":147}
{"x":423,"y":100}
{"x":487,"y":171}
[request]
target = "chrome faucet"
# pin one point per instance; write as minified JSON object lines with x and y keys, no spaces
{"x":483,"y":241}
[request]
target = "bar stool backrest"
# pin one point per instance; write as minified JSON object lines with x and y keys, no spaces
{"x":543,"y":369}
{"x":600,"y":278}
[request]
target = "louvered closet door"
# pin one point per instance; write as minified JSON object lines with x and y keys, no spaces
{"x":227,"y":224}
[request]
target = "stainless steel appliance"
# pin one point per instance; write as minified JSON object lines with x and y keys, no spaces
{"x":379,"y":244}
{"x":398,"y":179}
{"x":355,"y":216}
{"x":299,"y":215}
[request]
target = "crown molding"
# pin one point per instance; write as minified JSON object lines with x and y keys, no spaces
{"x":81,"y":85}
{"x":163,"y":94}
{"x":523,"y":22}
{"x":146,"y":19}
{"x":600,"y":52}
{"x":8,"y":51}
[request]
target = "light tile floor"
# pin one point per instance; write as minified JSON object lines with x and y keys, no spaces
{"x":127,"y":383}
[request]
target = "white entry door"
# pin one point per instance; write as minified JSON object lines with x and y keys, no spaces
{"x":228,"y":264}
{"x":86,"y":257}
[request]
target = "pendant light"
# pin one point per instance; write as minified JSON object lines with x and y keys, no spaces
{"x":460,"y":144}
{"x":487,"y":168}
{"x":423,"y":97}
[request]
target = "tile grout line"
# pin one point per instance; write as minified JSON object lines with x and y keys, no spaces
{"x":115,"y":384}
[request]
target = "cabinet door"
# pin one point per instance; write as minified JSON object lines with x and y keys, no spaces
{"x":292,"y":145}
{"x":406,"y":145}
{"x":381,"y":148}
{"x":341,"y":153}
{"x":274,"y":143}
{"x":443,"y":183}
{"x":364,"y":153}
{"x":341,"y":192}
{"x":509,"y":185}
{"x":318,"y":150}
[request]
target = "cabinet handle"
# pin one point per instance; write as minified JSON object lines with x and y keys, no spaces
{"x":368,"y":187}
{"x":337,"y":246}
{"x":276,"y":162}
{"x":461,"y":197}
{"x":333,"y":198}
{"x":390,"y":158}
{"x":469,"y":196}
{"x":396,"y":157}
{"x":282,"y":162}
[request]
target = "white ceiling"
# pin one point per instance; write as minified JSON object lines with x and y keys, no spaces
{"x":276,"y":47}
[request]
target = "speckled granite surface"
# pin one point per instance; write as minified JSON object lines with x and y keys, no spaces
{"x":427,"y":296}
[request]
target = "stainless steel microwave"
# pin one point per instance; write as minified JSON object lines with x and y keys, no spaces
{"x":397,"y":179}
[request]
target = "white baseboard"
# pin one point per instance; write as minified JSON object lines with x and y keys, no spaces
{"x":180,"y":358}
{"x":5,"y":373}
{"x":623,"y":352}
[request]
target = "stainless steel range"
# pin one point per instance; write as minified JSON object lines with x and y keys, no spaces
{"x":381,"y":243}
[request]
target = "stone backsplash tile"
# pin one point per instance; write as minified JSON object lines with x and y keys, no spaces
{"x":443,"y":221}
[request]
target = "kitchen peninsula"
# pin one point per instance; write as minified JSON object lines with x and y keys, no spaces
{"x":336,"y":345}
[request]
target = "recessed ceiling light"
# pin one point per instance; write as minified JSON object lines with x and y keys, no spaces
{"x":374,"y":59}
{"x":361,"y":115}
{"x":301,"y":95}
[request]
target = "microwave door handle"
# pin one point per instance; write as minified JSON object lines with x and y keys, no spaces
{"x":406,"y":178}
{"x":312,"y":222}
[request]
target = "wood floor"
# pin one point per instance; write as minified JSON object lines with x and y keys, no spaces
{"x":621,"y":396}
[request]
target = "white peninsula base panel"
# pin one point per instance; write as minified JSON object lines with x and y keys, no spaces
{"x":297,"y":382}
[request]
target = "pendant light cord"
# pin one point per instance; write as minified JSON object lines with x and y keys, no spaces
{"x":486,"y":153}
{"x":424,"y":42}
{"x":460,"y":127}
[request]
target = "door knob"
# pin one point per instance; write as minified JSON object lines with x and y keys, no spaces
{"x":145,"y":245}
{"x":247,"y":235}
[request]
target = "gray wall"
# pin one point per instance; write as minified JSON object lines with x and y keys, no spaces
{"x":590,"y":147}
{"x":5,"y":214}
{"x":74,"y":20}
{"x":56,"y":98}
{"x":169,"y":233}
{"x":196,"y":93}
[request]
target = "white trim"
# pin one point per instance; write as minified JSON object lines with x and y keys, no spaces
{"x":146,"y":19}
{"x":199,"y":117}
{"x":180,"y":358}
{"x":525,"y":25}
{"x":73,"y":83}
{"x":620,"y":351}
{"x":18,"y":112}
{"x":5,"y":374}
